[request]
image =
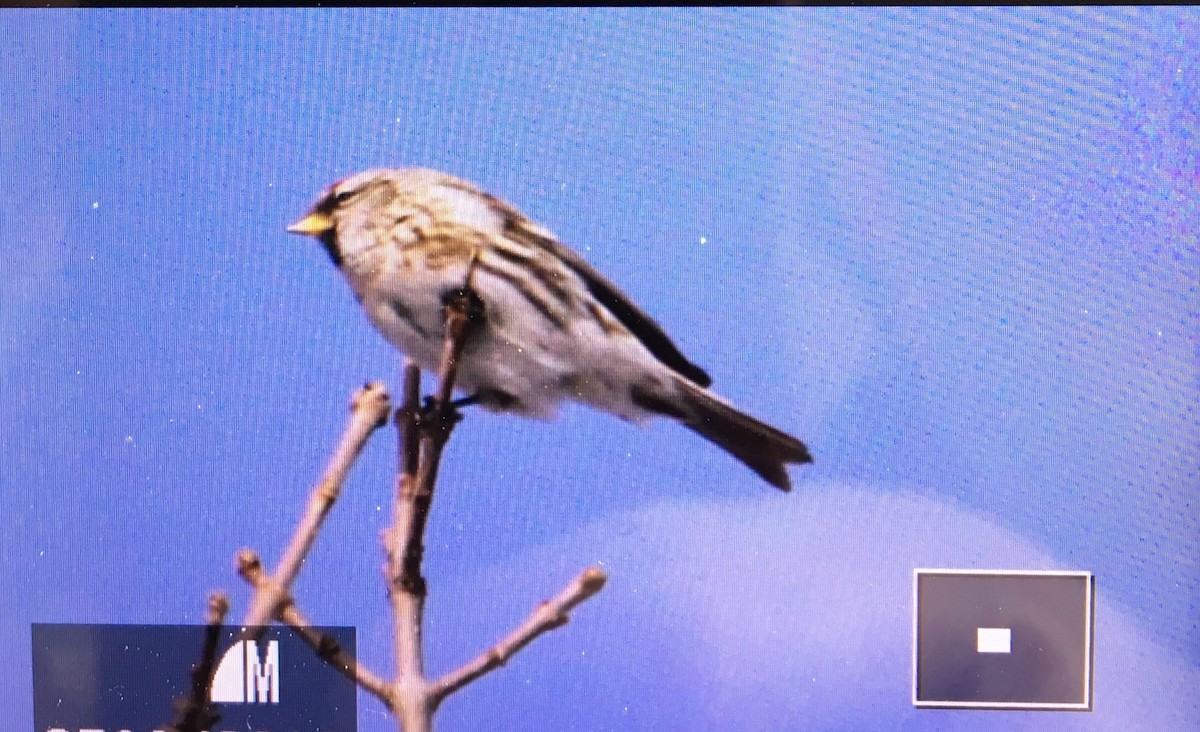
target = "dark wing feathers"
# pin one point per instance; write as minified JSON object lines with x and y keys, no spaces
{"x":630,"y":315}
{"x":641,"y":325}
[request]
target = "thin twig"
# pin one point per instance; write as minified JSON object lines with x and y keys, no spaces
{"x":195,"y":712}
{"x":369,"y":408}
{"x":553,"y":613}
{"x":326,"y":646}
{"x":330,"y":651}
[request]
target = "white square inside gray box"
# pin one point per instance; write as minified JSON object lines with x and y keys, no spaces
{"x":993,"y":640}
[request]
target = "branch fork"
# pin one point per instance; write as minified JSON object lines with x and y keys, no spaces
{"x":423,"y":433}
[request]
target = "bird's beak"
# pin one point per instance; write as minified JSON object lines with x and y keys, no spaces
{"x":313,"y":224}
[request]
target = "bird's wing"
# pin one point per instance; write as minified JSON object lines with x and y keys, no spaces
{"x":641,"y":325}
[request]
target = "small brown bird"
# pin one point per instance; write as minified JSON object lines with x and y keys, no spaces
{"x":554,"y":328}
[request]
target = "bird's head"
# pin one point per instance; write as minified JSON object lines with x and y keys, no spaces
{"x":347,"y":215}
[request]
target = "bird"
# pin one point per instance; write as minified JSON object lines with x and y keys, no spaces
{"x":553,"y":329}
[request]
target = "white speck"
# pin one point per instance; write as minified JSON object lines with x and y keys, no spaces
{"x":95,"y":204}
{"x":703,"y":240}
{"x":128,"y":439}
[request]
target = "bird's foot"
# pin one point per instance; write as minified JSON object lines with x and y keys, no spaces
{"x":436,"y":416}
{"x":467,"y":401}
{"x":491,"y":398}
{"x":433,"y":414}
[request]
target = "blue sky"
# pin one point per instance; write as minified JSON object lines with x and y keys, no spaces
{"x":955,"y":251}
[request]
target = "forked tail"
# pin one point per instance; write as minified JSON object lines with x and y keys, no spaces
{"x":763,"y":449}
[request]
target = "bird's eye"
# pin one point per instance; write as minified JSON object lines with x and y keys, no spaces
{"x":343,"y":196}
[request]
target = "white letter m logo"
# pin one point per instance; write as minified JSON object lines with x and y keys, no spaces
{"x":241,"y":677}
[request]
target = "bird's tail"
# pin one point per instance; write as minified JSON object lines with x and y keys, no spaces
{"x":763,"y":449}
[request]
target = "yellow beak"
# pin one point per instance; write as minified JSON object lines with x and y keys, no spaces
{"x":313,"y":224}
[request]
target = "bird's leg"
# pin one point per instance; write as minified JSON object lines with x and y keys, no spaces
{"x":464,"y":310}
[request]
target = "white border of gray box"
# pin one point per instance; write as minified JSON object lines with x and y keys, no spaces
{"x":1089,"y":659}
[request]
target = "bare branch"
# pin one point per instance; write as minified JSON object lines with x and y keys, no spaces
{"x":330,"y":651}
{"x":195,"y":712}
{"x":423,"y":436}
{"x":218,"y":608}
{"x":553,"y":613}
{"x":369,"y":409}
{"x":406,"y":586}
{"x":325,"y":645}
